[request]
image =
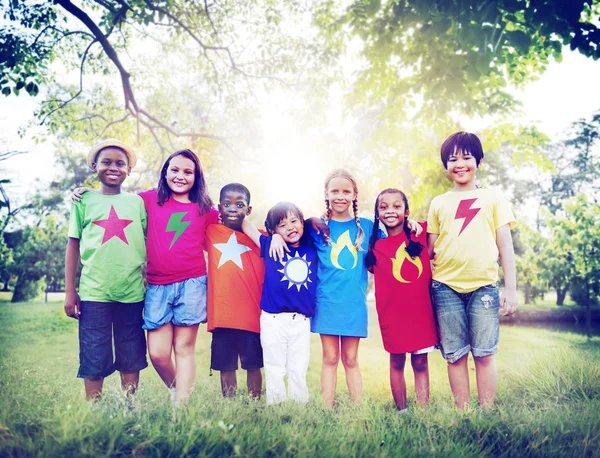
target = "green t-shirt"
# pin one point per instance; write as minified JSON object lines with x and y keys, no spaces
{"x":110,"y":229}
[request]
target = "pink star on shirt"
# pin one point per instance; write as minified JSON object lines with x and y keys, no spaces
{"x":113,"y":226}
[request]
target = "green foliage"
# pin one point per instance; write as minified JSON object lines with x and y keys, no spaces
{"x":460,"y":55}
{"x":39,"y":256}
{"x":529,"y":245}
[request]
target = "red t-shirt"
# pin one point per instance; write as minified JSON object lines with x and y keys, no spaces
{"x":175,"y":239}
{"x":235,"y":278}
{"x":402,"y":295}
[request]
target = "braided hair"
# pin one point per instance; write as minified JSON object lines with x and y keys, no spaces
{"x":343,"y":173}
{"x":413,"y":249}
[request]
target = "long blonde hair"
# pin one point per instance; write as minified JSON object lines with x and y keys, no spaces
{"x":343,"y":173}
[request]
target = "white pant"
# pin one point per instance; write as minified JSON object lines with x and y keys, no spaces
{"x":285,"y":339}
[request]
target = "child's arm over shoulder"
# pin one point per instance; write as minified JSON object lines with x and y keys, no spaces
{"x":251,"y":231}
{"x":509,"y":299}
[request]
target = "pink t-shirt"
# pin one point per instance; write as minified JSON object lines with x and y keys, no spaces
{"x":175,"y":239}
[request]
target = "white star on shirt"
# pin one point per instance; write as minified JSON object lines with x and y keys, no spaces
{"x":231,"y":251}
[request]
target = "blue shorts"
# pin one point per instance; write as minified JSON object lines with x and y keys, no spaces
{"x":97,"y":323}
{"x":227,"y":344}
{"x":467,"y":321}
{"x":183,"y":303}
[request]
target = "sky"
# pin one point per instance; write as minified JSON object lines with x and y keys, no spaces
{"x":563,"y":94}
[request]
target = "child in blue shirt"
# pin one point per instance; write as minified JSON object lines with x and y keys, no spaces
{"x":287,"y":303}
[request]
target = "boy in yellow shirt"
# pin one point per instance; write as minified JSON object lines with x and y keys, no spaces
{"x":468,"y":228}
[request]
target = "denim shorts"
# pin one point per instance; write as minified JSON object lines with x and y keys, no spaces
{"x":467,"y":321}
{"x":227,"y":344}
{"x":183,"y":303}
{"x":97,"y":323}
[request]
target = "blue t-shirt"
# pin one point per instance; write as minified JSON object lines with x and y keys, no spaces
{"x":289,"y":285}
{"x":341,"y":306}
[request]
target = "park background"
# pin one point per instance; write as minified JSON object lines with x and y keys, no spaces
{"x":274,"y":95}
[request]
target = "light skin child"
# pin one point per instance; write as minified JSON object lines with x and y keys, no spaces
{"x":112,"y":167}
{"x":341,"y":193}
{"x":234,"y":208}
{"x":462,"y":168}
{"x":392,"y":212}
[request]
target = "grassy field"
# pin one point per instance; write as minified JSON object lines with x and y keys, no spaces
{"x":548,"y":404}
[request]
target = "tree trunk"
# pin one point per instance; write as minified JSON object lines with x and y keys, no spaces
{"x":561,"y":293}
{"x":527,"y":293}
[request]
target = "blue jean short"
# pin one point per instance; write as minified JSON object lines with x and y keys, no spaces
{"x":98,"y":322}
{"x":467,"y":321}
{"x":183,"y":303}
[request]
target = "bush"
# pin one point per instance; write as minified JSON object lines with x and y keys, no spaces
{"x":578,"y":293}
{"x":26,"y":290}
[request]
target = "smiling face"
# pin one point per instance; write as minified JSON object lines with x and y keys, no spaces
{"x":392,"y":211}
{"x":291,"y":229}
{"x":180,"y":177}
{"x":234,"y":208}
{"x":340,"y":193}
{"x":462,"y":168}
{"x":112,"y":167}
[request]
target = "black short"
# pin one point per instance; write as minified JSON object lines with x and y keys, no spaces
{"x":228,"y":344}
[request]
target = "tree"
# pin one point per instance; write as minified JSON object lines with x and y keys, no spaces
{"x":451,"y":56}
{"x":202,"y":57}
{"x":529,"y":244}
{"x":39,"y":255}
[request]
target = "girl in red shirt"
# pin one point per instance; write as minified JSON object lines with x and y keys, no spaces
{"x":402,"y":276}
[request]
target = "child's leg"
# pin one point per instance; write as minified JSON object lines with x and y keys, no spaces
{"x":130,"y":382}
{"x":458,"y":374}
{"x":420,"y":367}
{"x":93,"y":388}
{"x":397,"y":381}
{"x":160,"y":348}
{"x":184,"y":344}
{"x":130,"y":344}
{"x":274,"y":345}
{"x":254,"y":383}
{"x":485,"y":372}
{"x":298,"y":356}
{"x":484,"y":305}
{"x":331,"y":358}
{"x":228,"y":383}
{"x":350,"y":362}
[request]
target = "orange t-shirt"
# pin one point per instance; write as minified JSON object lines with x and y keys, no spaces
{"x":235,"y":278}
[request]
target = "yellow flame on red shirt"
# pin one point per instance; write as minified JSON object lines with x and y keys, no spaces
{"x":401,"y":256}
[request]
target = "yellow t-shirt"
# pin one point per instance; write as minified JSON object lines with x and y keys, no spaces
{"x":466,"y":254}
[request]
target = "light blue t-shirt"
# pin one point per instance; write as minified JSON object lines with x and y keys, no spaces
{"x":341,"y":306}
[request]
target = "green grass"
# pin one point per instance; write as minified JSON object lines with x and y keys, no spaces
{"x":548,"y":404}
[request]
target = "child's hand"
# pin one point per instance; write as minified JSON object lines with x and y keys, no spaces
{"x":319,"y":226}
{"x":414,"y":227}
{"x":509,"y":301}
{"x":72,"y":305}
{"x":278,"y":246}
{"x":78,"y":193}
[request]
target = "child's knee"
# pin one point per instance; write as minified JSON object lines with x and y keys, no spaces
{"x":419,"y":363}
{"x":483,"y":361}
{"x":331,"y":359}
{"x":350,"y":362}
{"x":397,"y":362}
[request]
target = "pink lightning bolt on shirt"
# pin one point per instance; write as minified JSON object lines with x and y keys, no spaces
{"x":466,"y":255}
{"x":175,"y":244}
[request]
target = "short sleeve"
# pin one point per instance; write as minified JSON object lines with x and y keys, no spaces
{"x":503,"y":213}
{"x":433,"y":223}
{"x":75,"y":220}
{"x":143,"y":216}
{"x":265,"y":245}
{"x":212,"y":217}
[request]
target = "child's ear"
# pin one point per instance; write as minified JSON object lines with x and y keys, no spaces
{"x":128,"y":170}
{"x":249,"y":210}
{"x":94,"y":167}
{"x":480,"y":163}
{"x":219,"y":207}
{"x":406,"y":213}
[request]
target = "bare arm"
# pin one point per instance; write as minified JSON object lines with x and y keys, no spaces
{"x":72,"y":308}
{"x":431,"y":238}
{"x":509,"y":300}
{"x":251,"y":231}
